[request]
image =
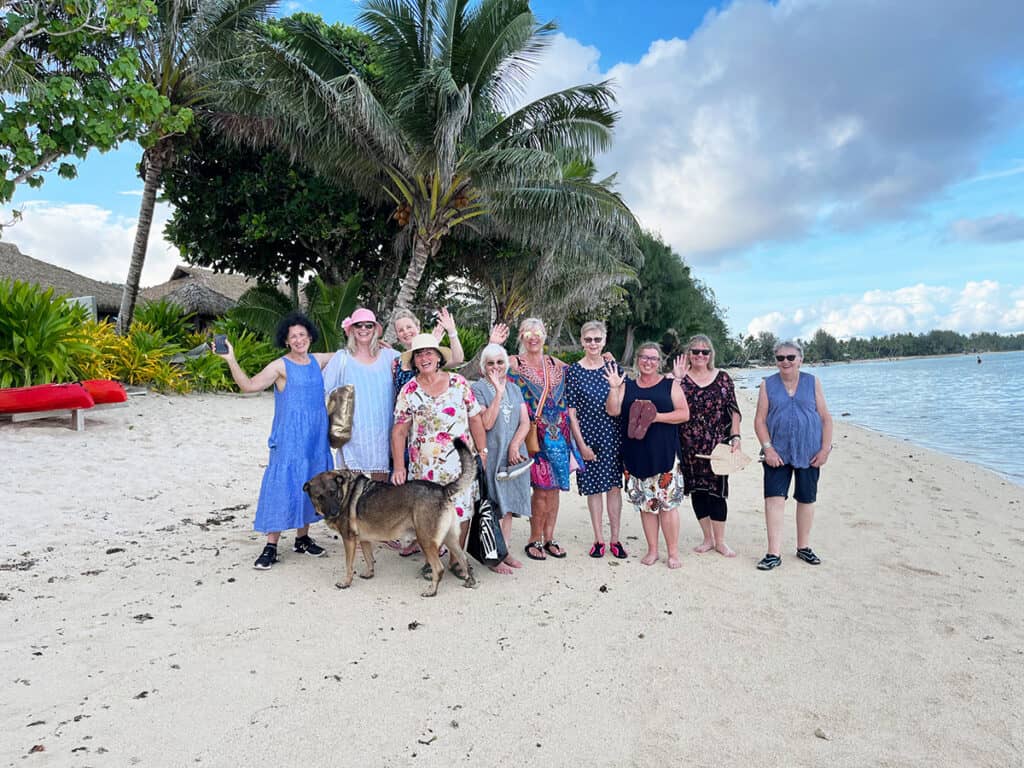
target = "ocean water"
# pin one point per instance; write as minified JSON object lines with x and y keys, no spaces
{"x":949,"y":404}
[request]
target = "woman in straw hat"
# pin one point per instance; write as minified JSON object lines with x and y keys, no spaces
{"x":714,"y":419}
{"x":366,"y":365}
{"x":432,"y":411}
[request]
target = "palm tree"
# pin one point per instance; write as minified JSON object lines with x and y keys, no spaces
{"x":432,"y":130}
{"x":180,"y":47}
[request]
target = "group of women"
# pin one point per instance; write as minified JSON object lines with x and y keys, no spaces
{"x":534,"y":421}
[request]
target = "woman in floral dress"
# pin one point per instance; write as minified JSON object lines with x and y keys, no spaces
{"x":432,"y":411}
{"x":714,"y":419}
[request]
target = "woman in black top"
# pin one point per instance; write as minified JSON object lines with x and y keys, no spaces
{"x":653,"y":483}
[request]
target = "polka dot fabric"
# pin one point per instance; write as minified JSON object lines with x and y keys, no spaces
{"x":587,"y":391}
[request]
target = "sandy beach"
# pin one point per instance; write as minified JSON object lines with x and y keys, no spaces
{"x":136,"y":632}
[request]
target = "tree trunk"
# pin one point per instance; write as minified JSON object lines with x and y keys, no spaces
{"x":154,"y":162}
{"x":627,"y":352}
{"x":424,"y":248}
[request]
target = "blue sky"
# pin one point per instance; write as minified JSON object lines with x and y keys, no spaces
{"x":855,"y":165}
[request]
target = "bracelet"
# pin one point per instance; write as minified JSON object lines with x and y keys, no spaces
{"x":766,"y":444}
{"x":454,"y":334}
{"x":730,"y":438}
{"x":483,"y":451}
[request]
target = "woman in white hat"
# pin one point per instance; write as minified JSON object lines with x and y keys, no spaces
{"x":431,"y":412}
{"x":366,"y":365}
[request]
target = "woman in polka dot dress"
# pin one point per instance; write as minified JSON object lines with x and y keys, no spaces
{"x":598,"y":436}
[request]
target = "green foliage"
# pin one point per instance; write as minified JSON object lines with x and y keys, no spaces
{"x":170,"y":319}
{"x":666,"y":304}
{"x":472,"y":340}
{"x":208,"y":373}
{"x":261,"y":309}
{"x":430,"y":134}
{"x":39,"y":335}
{"x":69,"y":84}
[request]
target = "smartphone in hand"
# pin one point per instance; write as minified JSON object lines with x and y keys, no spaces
{"x":220,"y":343}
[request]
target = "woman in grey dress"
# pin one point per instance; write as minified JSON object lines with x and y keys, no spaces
{"x":507,"y":421}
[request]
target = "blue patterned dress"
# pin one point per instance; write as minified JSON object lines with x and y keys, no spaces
{"x":298,"y":450}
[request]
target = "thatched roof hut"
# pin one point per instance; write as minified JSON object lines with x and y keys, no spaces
{"x":206,"y":293}
{"x":14,"y":264}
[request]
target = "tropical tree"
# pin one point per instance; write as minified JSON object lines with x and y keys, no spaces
{"x":179,"y":50}
{"x":69,"y":84}
{"x":262,"y":307}
{"x":256,"y":213}
{"x":438,"y":133}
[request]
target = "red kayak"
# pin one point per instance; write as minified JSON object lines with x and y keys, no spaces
{"x":45,"y":397}
{"x":105,"y":392}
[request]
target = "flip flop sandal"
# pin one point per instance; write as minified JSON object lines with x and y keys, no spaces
{"x":597,"y":550}
{"x":618,"y":550}
{"x":807,"y":555}
{"x":539,"y":547}
{"x":550,"y":549}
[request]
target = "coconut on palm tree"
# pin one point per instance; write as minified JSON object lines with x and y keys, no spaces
{"x":436,"y":130}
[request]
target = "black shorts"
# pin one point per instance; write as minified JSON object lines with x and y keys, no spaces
{"x":805,"y":490}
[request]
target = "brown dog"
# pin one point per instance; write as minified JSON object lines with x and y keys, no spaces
{"x":365,"y":511}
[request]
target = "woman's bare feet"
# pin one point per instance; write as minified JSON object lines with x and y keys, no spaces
{"x":704,"y":546}
{"x":512,"y":562}
{"x":650,"y":558}
{"x":501,"y":568}
{"x":673,"y":562}
{"x":725,"y":550}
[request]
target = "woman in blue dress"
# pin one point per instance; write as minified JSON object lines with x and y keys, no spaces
{"x":598,"y":436}
{"x":298,"y":436}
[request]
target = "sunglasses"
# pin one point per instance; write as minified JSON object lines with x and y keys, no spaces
{"x":364,"y":325}
{"x":705,"y":352}
{"x":649,"y":358}
{"x":592,"y":339}
{"x":780,"y":358}
{"x":532,"y":335}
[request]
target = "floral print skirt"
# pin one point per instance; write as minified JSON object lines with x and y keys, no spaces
{"x":653,"y":494}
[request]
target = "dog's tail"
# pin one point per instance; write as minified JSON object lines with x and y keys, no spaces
{"x":465,"y":480}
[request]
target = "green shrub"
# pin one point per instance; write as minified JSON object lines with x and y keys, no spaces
{"x":40,"y":335}
{"x":208,"y":373}
{"x":167,"y":318}
{"x":473,"y":340}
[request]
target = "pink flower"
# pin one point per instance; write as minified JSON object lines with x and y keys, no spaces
{"x":449,"y":411}
{"x":460,"y":511}
{"x":443,"y":437}
{"x":430,"y":475}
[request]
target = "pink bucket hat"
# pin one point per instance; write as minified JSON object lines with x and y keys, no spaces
{"x":362,"y":315}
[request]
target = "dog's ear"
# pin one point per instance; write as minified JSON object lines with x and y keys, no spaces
{"x":305,"y":487}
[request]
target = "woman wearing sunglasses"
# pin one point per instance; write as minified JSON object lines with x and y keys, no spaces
{"x":368,"y":366}
{"x":541,"y":379}
{"x":598,"y":437}
{"x":795,"y":429}
{"x":714,"y":419}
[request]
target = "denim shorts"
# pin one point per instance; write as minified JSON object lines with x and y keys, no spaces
{"x":805,"y":490}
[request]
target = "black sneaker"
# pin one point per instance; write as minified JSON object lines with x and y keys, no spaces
{"x":807,"y":555}
{"x":305,"y":545}
{"x":267,"y":558}
{"x":768,"y":562}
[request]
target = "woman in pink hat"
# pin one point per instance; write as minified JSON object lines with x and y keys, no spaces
{"x":366,"y":365}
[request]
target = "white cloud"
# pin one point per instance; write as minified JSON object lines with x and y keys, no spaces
{"x":91,"y":240}
{"x":983,"y":305}
{"x":774,"y":118}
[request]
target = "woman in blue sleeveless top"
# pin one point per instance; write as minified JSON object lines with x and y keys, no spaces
{"x":298,"y":437}
{"x":653,"y":483}
{"x":795,"y":429}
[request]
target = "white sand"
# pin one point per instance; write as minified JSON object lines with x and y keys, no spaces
{"x":905,"y":648}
